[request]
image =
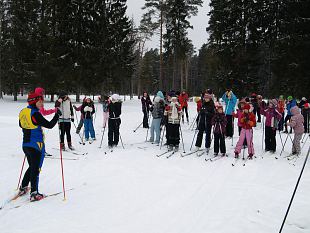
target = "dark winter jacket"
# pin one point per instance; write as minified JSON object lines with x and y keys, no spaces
{"x":115,"y":110}
{"x":306,"y":113}
{"x":158,"y":108}
{"x":205,"y":115}
{"x":146,"y":103}
{"x":219,"y":122}
{"x":87,"y":110}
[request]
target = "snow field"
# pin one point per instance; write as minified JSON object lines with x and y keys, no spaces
{"x":132,"y":190}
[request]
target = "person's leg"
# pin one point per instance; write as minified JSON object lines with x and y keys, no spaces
{"x":222,"y":144}
{"x":216,"y":143}
{"x":116,"y":132}
{"x":105,"y":118}
{"x":145,"y":119}
{"x":91,"y":129}
{"x":229,"y":126}
{"x":249,"y":138}
{"x":110,"y":132}
{"x":176,"y":134}
{"x":152,"y":130}
{"x":267,"y":138}
{"x":208,"y":136}
{"x":186,"y":113}
{"x":34,"y":159}
{"x":62,"y":131}
{"x":157,"y":129}
{"x":273,"y":142}
{"x":199,"y":138}
{"x":240,"y":141}
{"x":86,"y":129}
{"x":68,"y":131}
{"x":258,"y":115}
{"x":297,"y":142}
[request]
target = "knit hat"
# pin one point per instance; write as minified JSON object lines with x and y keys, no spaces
{"x":33,"y":98}
{"x":157,"y":99}
{"x":247,"y":107}
{"x":171,"y":93}
{"x":115,"y":97}
{"x":304,"y":98}
{"x":274,"y":102}
{"x":290,"y":98}
{"x":39,"y":91}
{"x":307,"y":105}
{"x":281,"y":97}
{"x":160,"y":94}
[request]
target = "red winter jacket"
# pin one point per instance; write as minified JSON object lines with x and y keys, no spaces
{"x":248,"y":120}
{"x":183,"y":98}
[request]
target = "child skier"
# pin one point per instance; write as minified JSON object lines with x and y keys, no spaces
{"x":81,"y":122}
{"x":173,"y":112}
{"x":204,"y":123}
{"x":157,"y":115}
{"x":105,"y":102}
{"x":146,"y":104}
{"x":65,"y":106}
{"x":219,"y":122}
{"x":88,"y":109}
{"x":297,"y":123}
{"x":281,"y":109}
{"x":31,"y":121}
{"x":272,"y":117}
{"x":306,"y":113}
{"x":230,"y":102}
{"x":183,"y":99}
{"x":115,"y":111}
{"x":289,"y":104}
{"x":248,"y":121}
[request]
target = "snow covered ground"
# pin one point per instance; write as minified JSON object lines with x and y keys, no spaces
{"x":132,"y":190}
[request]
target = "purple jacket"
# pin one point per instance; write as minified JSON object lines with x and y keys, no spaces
{"x":297,"y":121}
{"x":272,"y":116}
{"x":219,"y":121}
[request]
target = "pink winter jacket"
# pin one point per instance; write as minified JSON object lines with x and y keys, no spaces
{"x":297,"y":121}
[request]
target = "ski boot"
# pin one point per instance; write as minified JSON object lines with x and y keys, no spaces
{"x":23,"y":190}
{"x":215,"y":154}
{"x":62,"y":146}
{"x":207,"y":150}
{"x":223,"y":154}
{"x":176,"y":148}
{"x":250,"y":156}
{"x":236,"y":155}
{"x":70,"y":146}
{"x":170,"y":147}
{"x":36,"y":196}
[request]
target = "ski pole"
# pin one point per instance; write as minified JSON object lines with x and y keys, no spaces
{"x":295,"y":189}
{"x":284,"y":144}
{"x":305,"y":142}
{"x":102,"y":137}
{"x":233,"y":129}
{"x":79,"y":134}
{"x":191,"y":127}
{"x":120,"y":137}
{"x":76,"y":116}
{"x":137,"y":127}
{"x":302,"y":140}
{"x":96,"y":108}
{"x":60,"y":151}
{"x":21,"y":172}
{"x":148,"y":122}
{"x":281,"y":138}
{"x":263,"y":135}
{"x":196,"y":131}
{"x":162,"y":137}
{"x":182,"y":139}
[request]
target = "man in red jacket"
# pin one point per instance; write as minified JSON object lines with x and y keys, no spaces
{"x":183,"y":99}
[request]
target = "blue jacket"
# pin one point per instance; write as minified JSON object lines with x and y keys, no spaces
{"x":230,"y":103}
{"x":289,"y":105}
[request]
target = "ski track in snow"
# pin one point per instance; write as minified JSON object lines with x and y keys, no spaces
{"x":132,"y":190}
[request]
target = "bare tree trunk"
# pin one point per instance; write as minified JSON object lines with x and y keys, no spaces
{"x":161,"y":51}
{"x":186,"y":67}
{"x":181,"y":67}
{"x":1,"y":15}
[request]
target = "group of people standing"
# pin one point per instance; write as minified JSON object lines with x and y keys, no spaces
{"x":32,"y":122}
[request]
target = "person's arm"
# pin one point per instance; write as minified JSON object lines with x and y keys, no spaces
{"x":93,"y":111}
{"x":39,"y":120}
{"x":71,"y":110}
{"x":46,"y":112}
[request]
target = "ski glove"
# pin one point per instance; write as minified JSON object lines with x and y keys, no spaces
{"x":58,"y":112}
{"x":72,"y":119}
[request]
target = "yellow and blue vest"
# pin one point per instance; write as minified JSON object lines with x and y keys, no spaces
{"x":33,"y":134}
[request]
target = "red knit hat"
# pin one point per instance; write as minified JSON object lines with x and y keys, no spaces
{"x":307,"y":105}
{"x":247,"y":106}
{"x":33,"y":98}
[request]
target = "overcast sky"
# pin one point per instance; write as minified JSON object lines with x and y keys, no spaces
{"x":198,"y":34}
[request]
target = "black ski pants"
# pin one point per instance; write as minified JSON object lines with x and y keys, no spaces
{"x":208,"y":137}
{"x":145,"y":119}
{"x":173,"y":134}
{"x":113,"y":133}
{"x":65,"y":128}
{"x":32,"y":173}
{"x":229,"y":126}
{"x":219,"y":143}
{"x":270,"y":139}
{"x":185,"y":109}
